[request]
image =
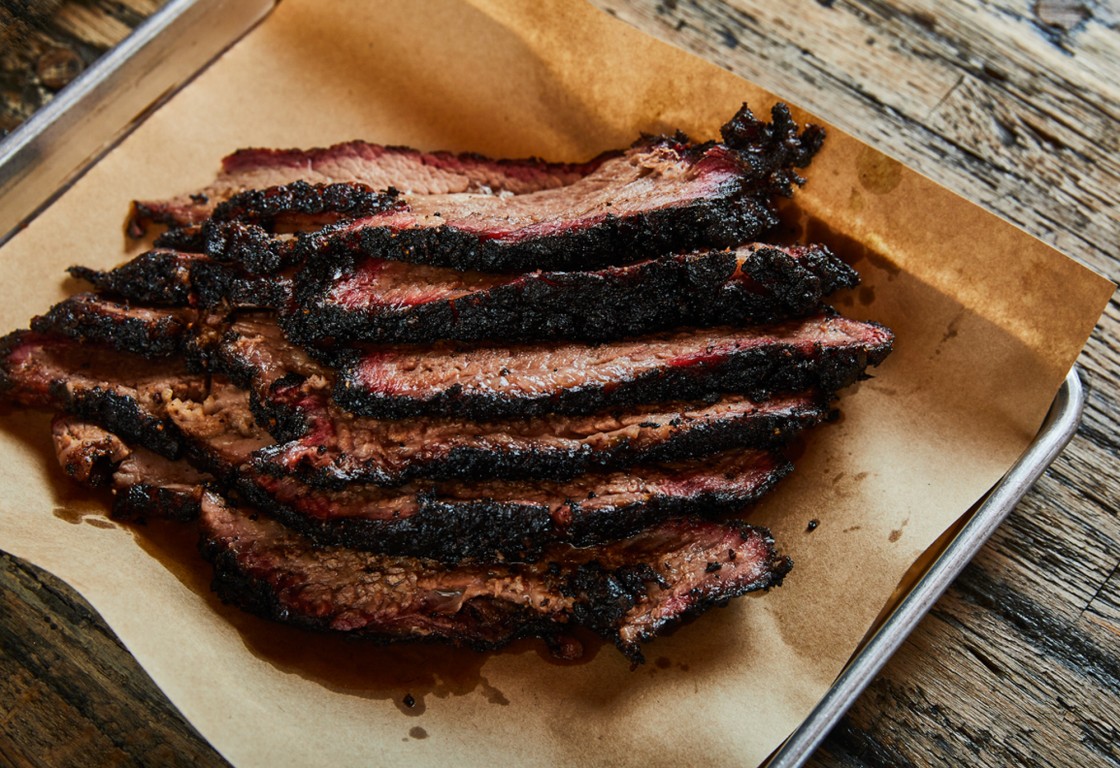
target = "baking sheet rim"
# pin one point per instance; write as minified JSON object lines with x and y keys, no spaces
{"x":883,"y":642}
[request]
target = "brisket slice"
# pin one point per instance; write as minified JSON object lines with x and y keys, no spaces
{"x":95,"y":319}
{"x":340,"y":448}
{"x":160,"y":278}
{"x":661,"y":196}
{"x":299,"y":205}
{"x":628,"y":591}
{"x":143,"y":483}
{"x":823,"y":352}
{"x":453,"y":520}
{"x":376,"y":300}
{"x":121,"y":392}
{"x":171,"y":278}
{"x":375,"y":166}
{"x":326,"y":446}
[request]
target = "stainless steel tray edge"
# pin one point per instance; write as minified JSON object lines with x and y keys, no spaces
{"x":1056,"y":432}
{"x":61,"y":140}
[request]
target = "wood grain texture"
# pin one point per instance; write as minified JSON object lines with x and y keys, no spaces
{"x":44,"y":44}
{"x":70,"y":694}
{"x":1011,"y":103}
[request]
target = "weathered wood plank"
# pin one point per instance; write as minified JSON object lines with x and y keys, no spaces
{"x":70,"y":694}
{"x":47,"y":43}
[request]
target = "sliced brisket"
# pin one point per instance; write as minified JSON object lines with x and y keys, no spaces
{"x":823,"y":352}
{"x":664,"y":195}
{"x":143,"y":483}
{"x":94,"y":319}
{"x":384,"y":301}
{"x":325,"y":445}
{"x":339,"y":448}
{"x":123,"y":393}
{"x":375,"y":166}
{"x":628,"y":591}
{"x":176,"y":278}
{"x":460,"y":519}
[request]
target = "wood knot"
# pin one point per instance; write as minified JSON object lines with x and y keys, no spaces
{"x":57,"y":67}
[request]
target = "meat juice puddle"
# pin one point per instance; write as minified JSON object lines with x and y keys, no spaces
{"x":405,"y":674}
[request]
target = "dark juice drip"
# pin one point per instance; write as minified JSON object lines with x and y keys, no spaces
{"x":405,"y":674}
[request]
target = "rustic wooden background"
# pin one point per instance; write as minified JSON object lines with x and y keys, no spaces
{"x":1014,"y":104}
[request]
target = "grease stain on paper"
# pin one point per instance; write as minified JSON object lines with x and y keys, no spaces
{"x":877,"y":173}
{"x":407,"y":676}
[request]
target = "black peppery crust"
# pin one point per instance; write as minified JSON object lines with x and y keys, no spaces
{"x":756,"y":372}
{"x":159,"y":277}
{"x":90,"y":318}
{"x":698,"y":289}
{"x":175,"y":279}
{"x":299,"y":198}
{"x":628,"y":595}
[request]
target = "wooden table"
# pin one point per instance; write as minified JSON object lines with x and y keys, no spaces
{"x":1013,"y":104}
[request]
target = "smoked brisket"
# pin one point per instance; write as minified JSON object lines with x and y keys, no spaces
{"x":376,"y":300}
{"x":123,"y":393}
{"x":663,"y":195}
{"x":94,"y":319}
{"x":457,"y":519}
{"x":171,"y":278}
{"x":628,"y":591}
{"x":822,"y":352}
{"x":339,"y":448}
{"x":143,"y":483}
{"x":375,"y":166}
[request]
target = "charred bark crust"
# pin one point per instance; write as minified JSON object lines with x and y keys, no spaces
{"x":589,"y":306}
{"x":91,"y":318}
{"x":756,"y":373}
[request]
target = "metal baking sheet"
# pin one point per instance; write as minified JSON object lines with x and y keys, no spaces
{"x":58,"y":142}
{"x":1056,"y":432}
{"x":41,"y":157}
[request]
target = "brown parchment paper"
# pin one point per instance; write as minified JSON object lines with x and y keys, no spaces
{"x":988,"y":322}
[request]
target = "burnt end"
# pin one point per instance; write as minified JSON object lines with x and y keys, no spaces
{"x":187,"y":239}
{"x":248,"y":245}
{"x":215,"y":284}
{"x":299,"y":198}
{"x":772,"y":149}
{"x":776,"y":284}
{"x":159,"y":278}
{"x":90,"y":318}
